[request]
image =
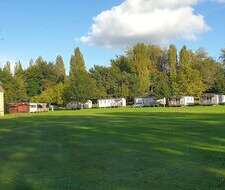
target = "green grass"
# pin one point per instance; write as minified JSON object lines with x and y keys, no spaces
{"x":114,"y":149}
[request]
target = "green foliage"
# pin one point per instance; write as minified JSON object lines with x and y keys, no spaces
{"x":39,"y":77}
{"x":14,"y":87}
{"x":60,"y":70}
{"x":141,"y":66}
{"x":81,"y":86}
{"x":77,"y":64}
{"x":161,"y":88}
{"x":53,"y":95}
{"x":7,"y":67}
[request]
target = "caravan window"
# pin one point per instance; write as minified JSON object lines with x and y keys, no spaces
{"x":40,"y":106}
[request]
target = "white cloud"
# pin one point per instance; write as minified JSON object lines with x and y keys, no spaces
{"x":147,"y":21}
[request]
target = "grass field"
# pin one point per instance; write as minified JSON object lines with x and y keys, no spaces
{"x":114,"y":149}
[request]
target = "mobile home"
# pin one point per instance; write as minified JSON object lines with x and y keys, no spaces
{"x":146,"y":101}
{"x":222,"y":99}
{"x":149,"y":101}
{"x":181,"y":101}
{"x":116,"y":102}
{"x":161,"y":102}
{"x":209,"y":99}
{"x":42,"y":107}
{"x":1,"y":101}
{"x":78,"y":105}
{"x":38,"y":107}
{"x":87,"y":105}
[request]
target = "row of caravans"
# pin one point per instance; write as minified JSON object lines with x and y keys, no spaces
{"x":206,"y":99}
{"x":103,"y":103}
{"x":175,"y":101}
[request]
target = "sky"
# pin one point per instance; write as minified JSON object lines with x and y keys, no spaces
{"x":103,"y":29}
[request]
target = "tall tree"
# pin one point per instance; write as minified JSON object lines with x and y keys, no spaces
{"x":39,"y":77}
{"x":60,"y":69}
{"x":20,"y":82}
{"x":77,"y":64}
{"x":18,"y":69}
{"x":81,"y":86}
{"x":222,"y":56}
{"x":172,"y":66}
{"x":7,"y":67}
{"x":184,"y":57}
{"x":141,"y":63}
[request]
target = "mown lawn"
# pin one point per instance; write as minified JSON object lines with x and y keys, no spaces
{"x":114,"y":149}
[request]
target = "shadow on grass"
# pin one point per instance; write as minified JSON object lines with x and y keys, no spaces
{"x":113,"y":150}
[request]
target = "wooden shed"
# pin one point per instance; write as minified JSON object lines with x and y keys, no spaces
{"x":19,"y":107}
{"x":1,"y":101}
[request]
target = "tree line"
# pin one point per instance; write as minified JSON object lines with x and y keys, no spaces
{"x":143,"y":70}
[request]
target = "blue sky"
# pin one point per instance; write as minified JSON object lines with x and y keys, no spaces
{"x":50,"y":27}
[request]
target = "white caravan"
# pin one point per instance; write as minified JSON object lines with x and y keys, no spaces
{"x":222,"y":99}
{"x":78,"y":105}
{"x":149,"y":101}
{"x":38,"y":107}
{"x":209,"y":99}
{"x":181,"y":101}
{"x":116,"y":102}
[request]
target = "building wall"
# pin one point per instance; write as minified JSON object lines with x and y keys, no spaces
{"x":1,"y":104}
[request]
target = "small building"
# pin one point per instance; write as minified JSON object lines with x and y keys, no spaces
{"x":1,"y":101}
{"x":78,"y":105}
{"x":181,"y":101}
{"x":209,"y":99}
{"x":222,"y":99}
{"x":116,"y":102}
{"x":149,"y":101}
{"x":19,"y":108}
